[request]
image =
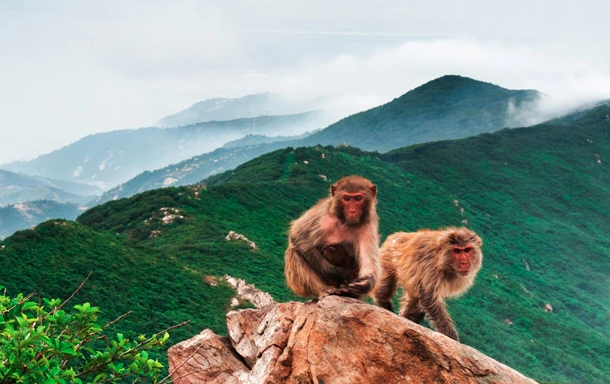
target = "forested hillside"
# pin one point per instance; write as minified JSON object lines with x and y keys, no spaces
{"x":450,"y":107}
{"x":538,"y":197}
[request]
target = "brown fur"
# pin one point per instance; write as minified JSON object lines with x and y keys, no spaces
{"x":328,"y":255}
{"x":421,"y":262}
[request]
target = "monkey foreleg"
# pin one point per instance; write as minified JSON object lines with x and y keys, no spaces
{"x":362,"y":285}
{"x":439,"y":317}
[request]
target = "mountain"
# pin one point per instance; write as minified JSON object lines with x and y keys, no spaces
{"x":418,"y":116}
{"x":19,"y":188}
{"x":26,"y":215}
{"x":197,"y":168}
{"x":538,"y":197}
{"x":260,"y":104}
{"x":449,"y":107}
{"x":28,"y":200}
{"x":110,"y":158}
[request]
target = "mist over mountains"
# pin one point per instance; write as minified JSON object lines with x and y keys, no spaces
{"x":126,"y":162}
{"x":261,"y":104}
{"x":450,"y":107}
{"x":446,"y":108}
{"x":19,"y":188}
{"x":107,"y":159}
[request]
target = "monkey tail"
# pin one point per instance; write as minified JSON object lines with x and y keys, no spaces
{"x":301,"y":279}
{"x":386,"y":286}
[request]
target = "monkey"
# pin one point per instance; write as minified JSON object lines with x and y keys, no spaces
{"x":333,"y":248}
{"x":431,"y":265}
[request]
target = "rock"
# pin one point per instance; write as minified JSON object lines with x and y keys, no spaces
{"x":249,"y":292}
{"x":207,"y":358}
{"x":331,"y":340}
{"x":232,"y":235}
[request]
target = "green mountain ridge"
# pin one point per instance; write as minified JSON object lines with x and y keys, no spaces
{"x":449,"y":107}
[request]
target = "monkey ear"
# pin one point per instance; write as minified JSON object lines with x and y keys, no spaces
{"x":374,"y":190}
{"x":332,"y":190}
{"x":478,"y":241}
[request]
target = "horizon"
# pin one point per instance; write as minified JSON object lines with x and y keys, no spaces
{"x":79,"y":69}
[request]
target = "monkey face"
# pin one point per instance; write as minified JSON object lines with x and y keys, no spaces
{"x":353,"y":204}
{"x":463,"y":258}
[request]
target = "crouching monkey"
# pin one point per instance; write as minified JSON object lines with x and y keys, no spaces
{"x":333,"y":248}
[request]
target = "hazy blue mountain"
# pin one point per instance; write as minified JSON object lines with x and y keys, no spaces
{"x":19,"y":188}
{"x":25,"y":215}
{"x":449,"y":107}
{"x":260,"y":104}
{"x":250,"y":140}
{"x":197,"y":168}
{"x":108,"y":159}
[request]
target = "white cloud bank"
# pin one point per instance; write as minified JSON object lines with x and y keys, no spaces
{"x":70,"y":69}
{"x":392,"y":71}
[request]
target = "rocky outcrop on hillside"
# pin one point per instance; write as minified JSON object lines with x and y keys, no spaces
{"x":332,"y":340}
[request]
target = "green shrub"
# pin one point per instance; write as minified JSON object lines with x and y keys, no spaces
{"x":43,"y":342}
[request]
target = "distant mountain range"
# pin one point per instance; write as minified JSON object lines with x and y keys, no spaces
{"x":260,"y":104}
{"x":110,"y":158}
{"x":19,"y":188}
{"x":25,"y":215}
{"x":133,"y":161}
{"x":197,"y":168}
{"x":445,"y":108}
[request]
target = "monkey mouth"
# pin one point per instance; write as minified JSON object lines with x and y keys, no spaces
{"x":463,"y":271}
{"x":352,"y":219}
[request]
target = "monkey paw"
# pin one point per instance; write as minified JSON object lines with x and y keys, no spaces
{"x":362,"y":285}
{"x":339,"y":291}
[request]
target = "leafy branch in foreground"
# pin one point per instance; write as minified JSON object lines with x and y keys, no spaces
{"x":42,"y":343}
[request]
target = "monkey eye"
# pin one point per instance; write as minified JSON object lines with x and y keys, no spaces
{"x":457,"y":251}
{"x":467,"y":249}
{"x":345,"y":198}
{"x":358,"y":198}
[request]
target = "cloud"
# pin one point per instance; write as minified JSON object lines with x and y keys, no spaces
{"x":393,"y":70}
{"x":70,"y":69}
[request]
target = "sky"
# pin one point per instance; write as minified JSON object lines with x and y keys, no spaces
{"x":69,"y":69}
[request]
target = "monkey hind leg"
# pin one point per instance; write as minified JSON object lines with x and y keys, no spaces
{"x":385,"y":289}
{"x":301,"y":279}
{"x":411,"y":310}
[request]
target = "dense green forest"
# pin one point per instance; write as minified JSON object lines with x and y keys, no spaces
{"x":537,"y":196}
